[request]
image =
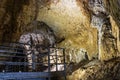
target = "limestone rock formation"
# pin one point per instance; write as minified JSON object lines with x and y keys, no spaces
{"x":96,"y":70}
{"x":38,"y":33}
{"x":38,"y":36}
{"x":87,"y":29}
{"x":113,"y":8}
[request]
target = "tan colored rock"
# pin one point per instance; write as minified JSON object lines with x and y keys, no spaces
{"x":96,"y":70}
{"x":71,"y":22}
{"x":113,"y":8}
{"x":68,"y":20}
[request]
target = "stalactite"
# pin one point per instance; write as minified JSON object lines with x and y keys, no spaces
{"x":100,"y":17}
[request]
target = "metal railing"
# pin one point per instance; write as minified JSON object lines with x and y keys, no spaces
{"x":15,"y":64}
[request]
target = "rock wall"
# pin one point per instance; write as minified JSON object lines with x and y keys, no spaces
{"x":112,"y":7}
{"x":69,"y":21}
{"x":96,"y":70}
{"x":14,"y":15}
{"x":87,"y":29}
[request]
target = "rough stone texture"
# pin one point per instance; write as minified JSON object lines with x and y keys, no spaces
{"x":14,"y":15}
{"x":113,"y":8}
{"x":38,"y":33}
{"x":97,"y":70}
{"x":68,"y":22}
{"x":71,"y":21}
{"x":107,"y":47}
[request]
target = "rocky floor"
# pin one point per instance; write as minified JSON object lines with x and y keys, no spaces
{"x":97,"y":70}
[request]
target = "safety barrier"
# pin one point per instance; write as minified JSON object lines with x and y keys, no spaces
{"x":36,"y":62}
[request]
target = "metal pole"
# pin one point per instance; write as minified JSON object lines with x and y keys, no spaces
{"x":33,"y":61}
{"x":49,"y":63}
{"x":64,"y":64}
{"x":56,"y":59}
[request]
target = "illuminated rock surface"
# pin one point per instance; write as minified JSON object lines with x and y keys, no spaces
{"x":85,"y":28}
